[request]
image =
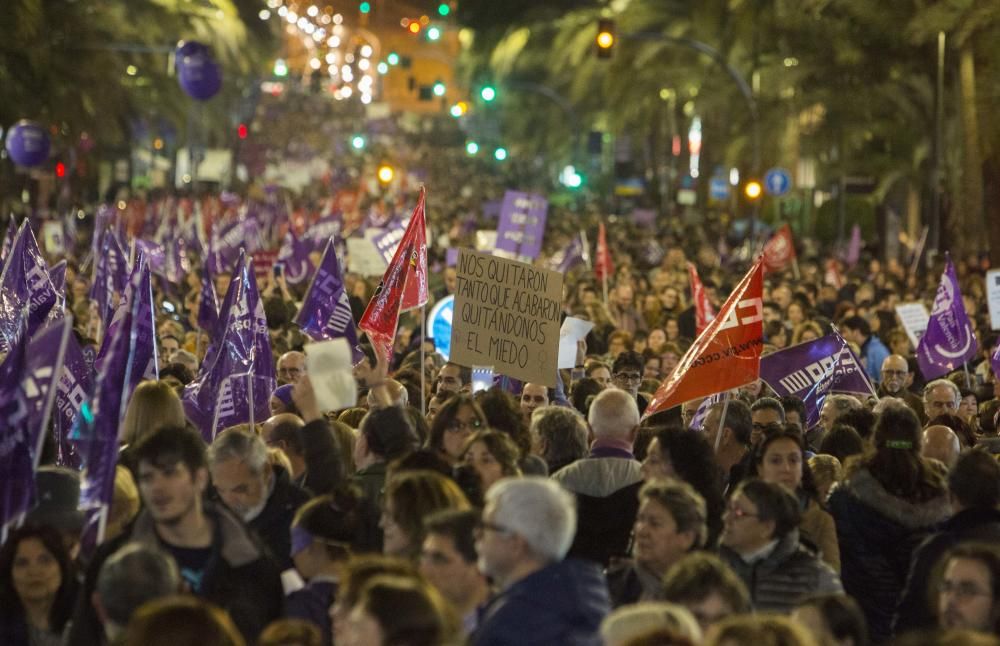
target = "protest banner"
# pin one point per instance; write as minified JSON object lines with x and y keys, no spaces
{"x":521,"y":226}
{"x":949,"y":340}
{"x":914,"y":317}
{"x":363,"y":258}
{"x":993,"y":297}
{"x":507,"y":316}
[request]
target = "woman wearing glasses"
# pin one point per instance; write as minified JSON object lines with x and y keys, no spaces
{"x":760,"y":542}
{"x":453,"y":424}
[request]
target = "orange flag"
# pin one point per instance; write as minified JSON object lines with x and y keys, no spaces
{"x":779,"y":250}
{"x":603,"y":265}
{"x":403,"y":286}
{"x":726,"y":355}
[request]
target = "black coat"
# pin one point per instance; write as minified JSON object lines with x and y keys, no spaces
{"x":242,"y":578}
{"x":969,"y":525}
{"x":322,"y":455}
{"x":273,"y":524}
{"x":878,"y":532}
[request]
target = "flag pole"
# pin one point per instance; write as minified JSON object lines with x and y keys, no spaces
{"x":604,"y":283}
{"x":423,"y":366}
{"x":795,"y":267}
{"x":722,"y":421}
{"x":968,"y":381}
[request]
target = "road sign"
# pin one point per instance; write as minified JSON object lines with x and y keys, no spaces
{"x":777,"y":181}
{"x":718,"y":188}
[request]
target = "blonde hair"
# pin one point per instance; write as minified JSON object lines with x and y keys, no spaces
{"x":154,"y":405}
{"x":631,"y":621}
{"x":124,"y":503}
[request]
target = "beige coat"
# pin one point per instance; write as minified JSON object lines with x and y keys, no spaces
{"x":818,"y":528}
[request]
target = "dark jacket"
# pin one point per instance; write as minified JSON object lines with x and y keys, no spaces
{"x":606,"y":486}
{"x":789,"y":574}
{"x":274,"y":523}
{"x":915,"y":402}
{"x":629,"y":582}
{"x":563,"y":603}
{"x":968,"y":525}
{"x":371,"y":481}
{"x":877,"y":533}
{"x":324,"y":466}
{"x":312,"y":603}
{"x":241,"y":577}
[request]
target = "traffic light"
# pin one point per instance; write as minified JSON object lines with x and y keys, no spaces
{"x":365,"y":7}
{"x":488,"y":93}
{"x":472,"y":148}
{"x":358,"y":142}
{"x":605,"y":37}
{"x":753,"y":189}
{"x":385,"y":173}
{"x":444,"y":9}
{"x":392,"y":58}
{"x":500,"y":154}
{"x":242,"y":131}
{"x":439,"y":89}
{"x":280,"y":68}
{"x":60,"y":169}
{"x":434,"y":33}
{"x":459,"y":109}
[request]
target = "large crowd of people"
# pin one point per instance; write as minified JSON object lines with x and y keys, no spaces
{"x":430,"y":514}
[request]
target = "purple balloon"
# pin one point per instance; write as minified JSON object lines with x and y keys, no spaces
{"x":28,"y":143}
{"x":199,"y":75}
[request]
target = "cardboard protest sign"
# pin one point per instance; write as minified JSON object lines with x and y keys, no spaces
{"x":507,"y":316}
{"x":915,"y":318}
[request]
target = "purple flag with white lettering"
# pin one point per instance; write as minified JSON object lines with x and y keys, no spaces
{"x":326,"y":310}
{"x":701,"y":413}
{"x":208,"y":304}
{"x":571,"y":256}
{"x":813,"y":370}
{"x":388,"y":241}
{"x":218,"y":398}
{"x":58,"y":277}
{"x":17,"y":484}
{"x":995,"y":361}
{"x":76,"y":382}
{"x":95,"y":433}
{"x":43,"y":366}
{"x":8,"y":241}
{"x":522,"y":225}
{"x":156,"y":255}
{"x":135,"y":310}
{"x":949,"y":340}
{"x":294,"y":259}
{"x":322,"y":230}
{"x":110,"y":277}
{"x":24,"y":282}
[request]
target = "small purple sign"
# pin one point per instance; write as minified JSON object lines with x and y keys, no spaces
{"x":522,"y":225}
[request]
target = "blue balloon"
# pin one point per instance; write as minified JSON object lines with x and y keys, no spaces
{"x":28,"y":143}
{"x":198,"y":73}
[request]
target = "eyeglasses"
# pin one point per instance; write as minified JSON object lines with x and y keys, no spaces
{"x":483,"y":525}
{"x":457,"y":425}
{"x":962,"y":589}
{"x":628,"y":376}
{"x":895,"y":373}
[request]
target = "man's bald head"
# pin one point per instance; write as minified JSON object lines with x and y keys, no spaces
{"x":613,"y":414}
{"x":291,"y":367}
{"x":397,"y":393}
{"x":895,"y":373}
{"x":941,"y":443}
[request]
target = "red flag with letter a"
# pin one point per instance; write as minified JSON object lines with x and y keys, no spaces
{"x":726,"y":355}
{"x":703,"y":313}
{"x":779,"y":250}
{"x":403,"y":286}
{"x":603,"y":265}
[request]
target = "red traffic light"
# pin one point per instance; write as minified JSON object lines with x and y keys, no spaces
{"x":242,"y":131}
{"x":60,"y":169}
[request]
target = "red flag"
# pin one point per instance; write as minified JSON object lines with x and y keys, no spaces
{"x":726,"y":355}
{"x":832,"y":275}
{"x":703,"y":313}
{"x":779,"y":250}
{"x":603,"y":265}
{"x":403,"y":286}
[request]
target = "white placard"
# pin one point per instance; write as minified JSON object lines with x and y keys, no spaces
{"x":993,"y":297}
{"x":486,"y":240}
{"x":328,"y":364}
{"x":914,"y":317}
{"x":572,"y":330}
{"x":363,"y":258}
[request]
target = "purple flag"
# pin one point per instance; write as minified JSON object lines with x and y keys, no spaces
{"x":8,"y":241}
{"x":110,"y":277}
{"x":571,"y":256}
{"x":522,"y":225}
{"x":387,"y":241}
{"x":156,"y":255}
{"x":326,"y":310}
{"x":17,"y":484}
{"x":136,"y":311}
{"x":241,"y":235}
{"x":58,"y":277}
{"x":813,"y":370}
{"x":701,"y":413}
{"x":76,"y":381}
{"x":322,"y":230}
{"x":451,"y":257}
{"x":294,"y":258}
{"x":219,"y":398}
{"x":24,"y":282}
{"x":949,"y":340}
{"x":95,"y":433}
{"x":491,"y":209}
{"x":43,"y":366}
{"x":208,"y":304}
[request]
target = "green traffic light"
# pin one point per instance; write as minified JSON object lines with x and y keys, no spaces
{"x":439,"y":89}
{"x":488,"y":93}
{"x":358,"y":142}
{"x":443,"y":9}
{"x":500,"y":154}
{"x":433,"y":33}
{"x":472,"y":148}
{"x":392,"y":58}
{"x":365,"y":7}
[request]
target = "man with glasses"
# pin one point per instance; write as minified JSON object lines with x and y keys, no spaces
{"x":291,"y":367}
{"x":453,"y":378}
{"x":765,"y":413}
{"x":968,"y":595}
{"x":896,"y":380}
{"x":526,"y":529}
{"x":626,"y":373}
